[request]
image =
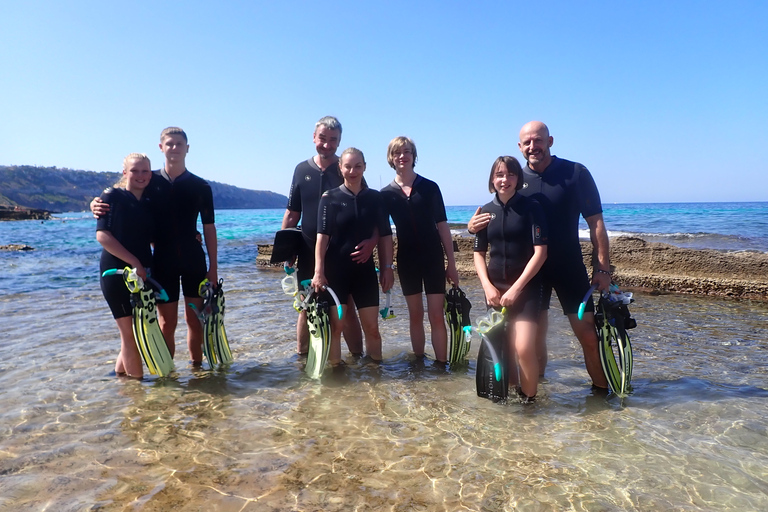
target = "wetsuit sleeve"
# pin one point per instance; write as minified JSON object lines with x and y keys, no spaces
{"x":104,"y":223}
{"x":538,"y":225}
{"x":294,"y":195}
{"x":206,"y":205}
{"x":438,"y":206}
{"x":481,"y":238}
{"x":325,"y":215}
{"x":589,"y":197}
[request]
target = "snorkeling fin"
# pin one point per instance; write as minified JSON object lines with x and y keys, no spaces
{"x":287,"y":245}
{"x":457,"y":308}
{"x":319,"y":323}
{"x":215,"y":342}
{"x":612,"y":319}
{"x":491,"y":374}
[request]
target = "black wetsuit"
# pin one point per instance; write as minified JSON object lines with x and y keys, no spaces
{"x":419,"y":248}
{"x":130,"y":221}
{"x":308,"y":184}
{"x":348,"y":220}
{"x":178,"y":253}
{"x":515,"y":228}
{"x":565,"y":190}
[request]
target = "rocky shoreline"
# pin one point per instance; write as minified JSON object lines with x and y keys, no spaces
{"x":23,"y":213}
{"x":655,"y":267}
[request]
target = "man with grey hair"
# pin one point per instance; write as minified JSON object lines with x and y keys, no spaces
{"x":311,"y":178}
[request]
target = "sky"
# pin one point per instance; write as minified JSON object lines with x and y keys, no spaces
{"x":662,"y":101}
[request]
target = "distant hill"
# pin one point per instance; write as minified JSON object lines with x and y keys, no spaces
{"x":69,"y":190}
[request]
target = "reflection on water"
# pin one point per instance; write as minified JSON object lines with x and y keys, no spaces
{"x":405,"y":435}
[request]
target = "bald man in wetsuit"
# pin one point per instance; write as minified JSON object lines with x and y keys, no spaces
{"x":565,"y":190}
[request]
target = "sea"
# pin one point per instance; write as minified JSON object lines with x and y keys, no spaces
{"x":404,"y":435}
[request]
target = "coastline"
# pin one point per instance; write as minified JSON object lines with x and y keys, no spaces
{"x":653,"y":267}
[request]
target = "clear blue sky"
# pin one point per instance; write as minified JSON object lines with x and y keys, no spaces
{"x":662,"y":101}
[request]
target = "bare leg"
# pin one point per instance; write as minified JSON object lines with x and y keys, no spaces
{"x":302,"y":334}
{"x":194,"y":329}
{"x":353,"y":334}
{"x":128,"y":360}
{"x":369,"y":317}
{"x":416,"y":322}
{"x":541,"y":341}
{"x":168,"y":317}
{"x":524,"y":334}
{"x":585,"y":331}
{"x":436,"y":313}
{"x":513,"y":372}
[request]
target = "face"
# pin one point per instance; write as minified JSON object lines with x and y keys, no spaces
{"x":403,"y":158}
{"x":504,"y":181}
{"x":138,"y":173}
{"x":352,"y":167}
{"x":174,"y":147}
{"x":535,"y":142}
{"x":326,"y":141}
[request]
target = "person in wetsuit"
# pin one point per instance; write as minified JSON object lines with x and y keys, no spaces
{"x":517,"y":234}
{"x":125,"y":234}
{"x":311,"y":179}
{"x":424,"y":243}
{"x":347,"y":215}
{"x":178,"y":197}
{"x":565,"y":190}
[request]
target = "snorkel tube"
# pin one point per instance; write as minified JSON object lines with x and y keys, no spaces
{"x":388,"y":311}
{"x":132,"y":278}
{"x":307,"y":283}
{"x":583,"y":304}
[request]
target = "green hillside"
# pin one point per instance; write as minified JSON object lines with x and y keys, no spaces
{"x":67,"y":190}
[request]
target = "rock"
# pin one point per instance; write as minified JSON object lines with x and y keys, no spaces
{"x":16,"y":247}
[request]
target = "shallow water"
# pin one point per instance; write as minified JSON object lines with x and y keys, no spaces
{"x":401,"y":436}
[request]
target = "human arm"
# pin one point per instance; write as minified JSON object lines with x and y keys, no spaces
{"x":99,"y":207}
{"x":492,"y":294}
{"x":386,"y":272}
{"x":478,"y":222}
{"x":212,"y":247}
{"x":598,"y":234}
{"x":290,"y":219}
{"x":445,"y":237}
{"x":116,"y":249}
{"x":321,"y":248}
{"x":531,"y":269}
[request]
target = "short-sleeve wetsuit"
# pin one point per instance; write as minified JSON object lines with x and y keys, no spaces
{"x":515,"y":228}
{"x":565,"y":190}
{"x":178,"y":253}
{"x":419,"y":248}
{"x":308,"y":184}
{"x":349,"y":219}
{"x":130,"y":221}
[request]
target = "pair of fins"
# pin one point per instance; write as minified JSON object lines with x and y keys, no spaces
{"x":491,"y":376}
{"x":215,"y":342}
{"x":457,"y":308}
{"x":146,"y":329}
{"x":612,"y":320}
{"x":319,"y":324}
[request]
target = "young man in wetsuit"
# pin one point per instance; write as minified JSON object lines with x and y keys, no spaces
{"x":311,"y":178}
{"x":177,"y":198}
{"x":565,"y":190}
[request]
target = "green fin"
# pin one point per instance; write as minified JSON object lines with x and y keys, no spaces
{"x":149,"y":337}
{"x":319,"y":323}
{"x":491,"y":374}
{"x":457,"y":308}
{"x":612,"y":320}
{"x":215,"y":342}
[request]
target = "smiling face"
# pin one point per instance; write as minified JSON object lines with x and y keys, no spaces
{"x":535,"y":142}
{"x":137,"y":173}
{"x":326,"y":141}
{"x":352,"y":165}
{"x":504,"y":182}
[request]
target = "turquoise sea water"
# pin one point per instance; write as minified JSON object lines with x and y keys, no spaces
{"x":405,"y":435}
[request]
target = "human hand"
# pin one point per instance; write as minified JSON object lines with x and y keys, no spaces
{"x":492,"y":296}
{"x":602,"y":280}
{"x":363,"y":251}
{"x":510,"y":296}
{"x":99,"y":208}
{"x":479,"y":221}
{"x":213,"y":277}
{"x":452,"y":275}
{"x":387,"y":279}
{"x":319,"y":283}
